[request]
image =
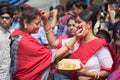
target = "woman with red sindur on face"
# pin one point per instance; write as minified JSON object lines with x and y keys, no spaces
{"x":95,"y":54}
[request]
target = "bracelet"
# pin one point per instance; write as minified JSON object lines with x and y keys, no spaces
{"x":48,"y":28}
{"x":49,"y":31}
{"x":98,"y":75}
{"x":94,"y":75}
{"x":68,"y":46}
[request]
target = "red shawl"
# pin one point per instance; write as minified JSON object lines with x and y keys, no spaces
{"x":32,"y":59}
{"x":85,"y":52}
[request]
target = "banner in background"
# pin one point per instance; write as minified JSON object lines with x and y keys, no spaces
{"x":15,"y":2}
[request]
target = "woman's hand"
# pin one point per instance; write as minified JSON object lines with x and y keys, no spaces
{"x":109,"y":7}
{"x":83,"y":70}
{"x":44,"y":16}
{"x":82,"y":73}
{"x":54,"y":13}
{"x":81,"y":32}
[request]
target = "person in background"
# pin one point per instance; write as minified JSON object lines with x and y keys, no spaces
{"x":29,"y":58}
{"x":41,"y":36}
{"x":115,"y":28}
{"x":16,"y":17}
{"x":104,"y":34}
{"x":78,"y":6}
{"x":115,"y":73}
{"x":71,"y":29}
{"x":6,"y":17}
{"x":61,"y":11}
{"x":60,"y":26}
{"x":4,"y":3}
{"x":69,"y":7}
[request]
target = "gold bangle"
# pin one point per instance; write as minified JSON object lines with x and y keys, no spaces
{"x":68,"y":46}
{"x":94,"y":75}
{"x":97,"y":75}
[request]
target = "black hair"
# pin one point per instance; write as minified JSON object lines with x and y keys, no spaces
{"x":117,"y":14}
{"x":51,"y":8}
{"x":7,"y":10}
{"x":60,"y":8}
{"x":71,"y":18}
{"x":28,"y":14}
{"x":106,"y":7}
{"x":89,"y":15}
{"x":16,"y":8}
{"x":4,"y":4}
{"x":79,"y":4}
{"x":104,"y":34}
{"x":96,"y":8}
{"x":69,"y":5}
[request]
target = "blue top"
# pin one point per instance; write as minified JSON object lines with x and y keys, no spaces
{"x":41,"y":36}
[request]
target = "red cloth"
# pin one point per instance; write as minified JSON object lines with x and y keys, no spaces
{"x":65,"y":18}
{"x":85,"y":52}
{"x":32,"y":57}
{"x":116,"y":65}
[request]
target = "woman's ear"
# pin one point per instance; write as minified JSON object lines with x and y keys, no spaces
{"x":25,"y":23}
{"x":89,"y":23}
{"x":11,"y":19}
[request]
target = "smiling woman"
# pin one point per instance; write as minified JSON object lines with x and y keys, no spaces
{"x":30,"y":20}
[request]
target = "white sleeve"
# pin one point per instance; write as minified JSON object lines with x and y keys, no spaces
{"x":104,"y":57}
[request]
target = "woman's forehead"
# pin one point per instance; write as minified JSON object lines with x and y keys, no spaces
{"x":78,"y":18}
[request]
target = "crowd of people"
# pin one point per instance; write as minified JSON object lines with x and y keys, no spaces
{"x":33,"y":41}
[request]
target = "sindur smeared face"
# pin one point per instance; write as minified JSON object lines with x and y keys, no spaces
{"x":33,"y":26}
{"x":82,"y":24}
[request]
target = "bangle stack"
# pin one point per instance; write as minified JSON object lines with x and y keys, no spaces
{"x":70,"y":48}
